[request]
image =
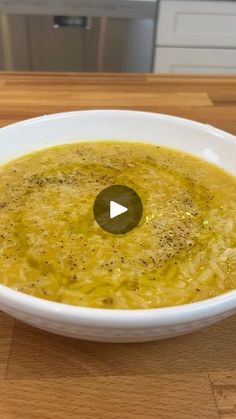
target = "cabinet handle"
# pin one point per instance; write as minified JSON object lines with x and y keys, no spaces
{"x":82,"y":22}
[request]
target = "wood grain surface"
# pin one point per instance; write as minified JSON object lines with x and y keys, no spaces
{"x":48,"y":376}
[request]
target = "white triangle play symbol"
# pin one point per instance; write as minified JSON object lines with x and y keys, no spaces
{"x":116,"y":209}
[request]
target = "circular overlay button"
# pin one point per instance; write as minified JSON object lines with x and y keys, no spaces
{"x":118,"y":209}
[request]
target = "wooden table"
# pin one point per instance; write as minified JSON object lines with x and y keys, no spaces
{"x":46,"y":376}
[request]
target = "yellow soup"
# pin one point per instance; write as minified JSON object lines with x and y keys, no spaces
{"x":183,"y":249}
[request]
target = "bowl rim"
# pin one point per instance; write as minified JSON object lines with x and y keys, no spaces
{"x":105,"y":317}
{"x":90,"y":316}
{"x":156,"y":115}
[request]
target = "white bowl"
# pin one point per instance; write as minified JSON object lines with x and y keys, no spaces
{"x":109,"y":325}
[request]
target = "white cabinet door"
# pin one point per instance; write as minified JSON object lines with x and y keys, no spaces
{"x":197,"y":23}
{"x":194,"y":60}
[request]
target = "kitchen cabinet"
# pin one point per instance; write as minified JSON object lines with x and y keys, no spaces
{"x":196,"y":37}
{"x":195,"y":60}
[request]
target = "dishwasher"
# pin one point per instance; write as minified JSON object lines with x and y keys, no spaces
{"x":77,"y":35}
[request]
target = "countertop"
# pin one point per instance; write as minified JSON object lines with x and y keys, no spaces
{"x":47,"y":376}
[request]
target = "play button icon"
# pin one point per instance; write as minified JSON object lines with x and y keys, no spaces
{"x":117,"y":209}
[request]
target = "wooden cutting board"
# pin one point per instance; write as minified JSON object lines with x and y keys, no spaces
{"x":47,"y":376}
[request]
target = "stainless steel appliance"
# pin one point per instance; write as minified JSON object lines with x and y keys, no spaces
{"x":77,"y":35}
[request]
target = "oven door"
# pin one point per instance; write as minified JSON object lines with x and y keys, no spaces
{"x":72,"y":43}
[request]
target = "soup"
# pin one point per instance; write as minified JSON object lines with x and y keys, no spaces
{"x":183,"y":250}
